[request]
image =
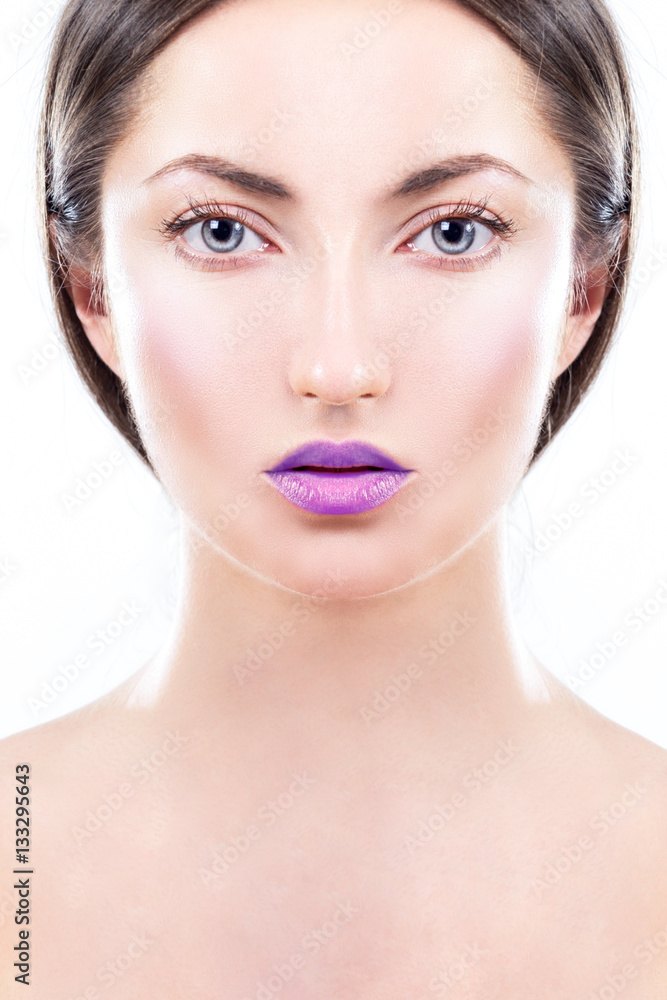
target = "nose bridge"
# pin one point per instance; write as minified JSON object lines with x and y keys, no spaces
{"x":337,"y":347}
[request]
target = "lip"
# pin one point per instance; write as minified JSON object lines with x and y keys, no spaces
{"x":331,"y":477}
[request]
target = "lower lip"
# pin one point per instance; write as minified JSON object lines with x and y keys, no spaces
{"x":338,"y":492}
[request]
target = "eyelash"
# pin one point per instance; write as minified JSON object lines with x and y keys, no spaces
{"x":466,"y":211}
{"x":171,"y":228}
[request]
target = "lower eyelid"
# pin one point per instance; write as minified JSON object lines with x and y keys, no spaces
{"x":212,"y":261}
{"x":460,"y":262}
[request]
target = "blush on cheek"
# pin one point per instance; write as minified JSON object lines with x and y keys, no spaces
{"x":491,"y":389}
{"x":524,"y":328}
{"x":179,"y":365}
{"x":515,"y":366}
{"x":500,"y":367}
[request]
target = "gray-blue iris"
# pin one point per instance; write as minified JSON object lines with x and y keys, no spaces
{"x":454,"y":235}
{"x":222,"y":234}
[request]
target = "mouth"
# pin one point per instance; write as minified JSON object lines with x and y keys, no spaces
{"x":329,"y":477}
{"x":331,"y":469}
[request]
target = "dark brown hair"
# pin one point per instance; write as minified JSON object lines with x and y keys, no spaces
{"x":97,"y":67}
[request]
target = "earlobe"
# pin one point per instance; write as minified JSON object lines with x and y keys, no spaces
{"x":81,"y":287}
{"x":583,"y":316}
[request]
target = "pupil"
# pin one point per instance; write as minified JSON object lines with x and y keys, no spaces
{"x":452,"y":231}
{"x":222,"y":231}
{"x":454,"y":235}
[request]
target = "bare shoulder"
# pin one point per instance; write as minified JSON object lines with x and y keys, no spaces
{"x":46,"y":745}
{"x":22,"y":758}
{"x":631,"y":756}
{"x":52,"y":777}
{"x":67,"y":759}
{"x":600,"y":749}
{"x":29,"y":763}
{"x":603,"y":790}
{"x":627,"y":811}
{"x":597,"y":795}
{"x":627,"y":768}
{"x":44,"y":757}
{"x":92,"y":734}
{"x":46,"y":774}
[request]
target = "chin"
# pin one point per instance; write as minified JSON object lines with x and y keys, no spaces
{"x":342,"y":565}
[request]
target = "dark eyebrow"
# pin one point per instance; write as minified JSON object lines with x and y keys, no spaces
{"x":224,"y":170}
{"x":447,"y":170}
{"x":422,"y":180}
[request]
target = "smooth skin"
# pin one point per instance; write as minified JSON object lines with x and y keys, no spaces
{"x":374,"y":792}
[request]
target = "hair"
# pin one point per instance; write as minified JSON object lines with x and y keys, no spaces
{"x":97,"y":68}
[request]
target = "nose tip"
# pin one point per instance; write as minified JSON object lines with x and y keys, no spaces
{"x":363,"y":380}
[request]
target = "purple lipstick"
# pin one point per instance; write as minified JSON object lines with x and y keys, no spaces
{"x":327,"y":477}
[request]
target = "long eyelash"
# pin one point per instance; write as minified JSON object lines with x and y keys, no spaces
{"x":209,"y":210}
{"x":465,"y":209}
{"x":505,"y":228}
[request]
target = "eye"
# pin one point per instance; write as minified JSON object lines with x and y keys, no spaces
{"x":222,"y":236}
{"x":453,"y":236}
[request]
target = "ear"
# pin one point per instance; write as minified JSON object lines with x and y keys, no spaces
{"x":585,"y":312}
{"x":84,"y":292}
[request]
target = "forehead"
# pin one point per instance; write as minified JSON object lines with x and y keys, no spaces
{"x":341,"y":90}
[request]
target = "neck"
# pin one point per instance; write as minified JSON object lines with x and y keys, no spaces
{"x":252,"y":661}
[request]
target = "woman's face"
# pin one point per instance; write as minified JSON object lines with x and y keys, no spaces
{"x":400,"y":277}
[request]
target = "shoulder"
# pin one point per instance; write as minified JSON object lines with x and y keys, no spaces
{"x":66,"y":761}
{"x":602,"y":788}
{"x":37,"y":783}
{"x":82,"y":761}
{"x":620,"y":779}
{"x":621,"y":769}
{"x":89,"y":736}
{"x":598,"y":749}
{"x":42,"y":759}
{"x":592,"y":796}
{"x":44,"y":746}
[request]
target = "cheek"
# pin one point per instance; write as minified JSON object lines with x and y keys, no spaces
{"x":485,"y":375}
{"x":492,"y":356}
{"x":192,"y":382}
{"x":504,"y":361}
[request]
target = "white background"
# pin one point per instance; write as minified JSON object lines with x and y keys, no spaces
{"x":65,"y":574}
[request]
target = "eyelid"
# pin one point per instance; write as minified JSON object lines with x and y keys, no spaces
{"x":478,"y":211}
{"x":200,"y":212}
{"x":460,"y":262}
{"x":173,"y":229}
{"x":503,"y":230}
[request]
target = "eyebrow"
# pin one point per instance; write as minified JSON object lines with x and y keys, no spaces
{"x":446,"y":170}
{"x":224,"y":170}
{"x":422,"y":180}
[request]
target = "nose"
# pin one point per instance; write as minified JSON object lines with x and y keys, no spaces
{"x":338,"y":358}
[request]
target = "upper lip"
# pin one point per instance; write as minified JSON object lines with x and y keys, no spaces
{"x":337,"y":455}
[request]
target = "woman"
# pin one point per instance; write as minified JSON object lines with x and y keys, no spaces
{"x":339,"y":292}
